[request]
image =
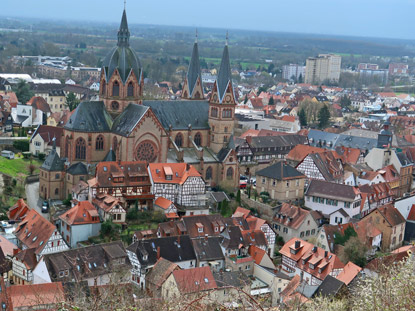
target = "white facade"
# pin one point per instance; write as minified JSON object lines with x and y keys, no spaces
{"x":328,"y":205}
{"x":293,"y":70}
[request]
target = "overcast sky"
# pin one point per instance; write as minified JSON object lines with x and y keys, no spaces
{"x":377,"y":18}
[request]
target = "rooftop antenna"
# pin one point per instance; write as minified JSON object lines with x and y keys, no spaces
{"x":227,"y":37}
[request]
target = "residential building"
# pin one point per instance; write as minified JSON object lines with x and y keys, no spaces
{"x":293,"y":72}
{"x":79,"y":223}
{"x":325,"y":67}
{"x":398,"y":69}
{"x":35,"y":231}
{"x":42,"y":139}
{"x":158,"y":275}
{"x":23,"y":264}
{"x":311,"y":262}
{"x":109,"y":208}
{"x":391,"y":223}
{"x":208,"y":252}
{"x":101,"y":264}
{"x":165,"y":206}
{"x":18,"y":211}
{"x":281,"y":181}
{"x":349,"y":274}
{"x":292,"y":221}
{"x":322,"y":166}
{"x":328,"y":197}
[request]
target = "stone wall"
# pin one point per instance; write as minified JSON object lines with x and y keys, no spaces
{"x":264,"y":210}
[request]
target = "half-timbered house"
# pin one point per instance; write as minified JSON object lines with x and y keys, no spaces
{"x":109,"y":208}
{"x":322,"y":166}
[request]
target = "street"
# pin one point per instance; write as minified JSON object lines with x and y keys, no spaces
{"x":33,"y":199}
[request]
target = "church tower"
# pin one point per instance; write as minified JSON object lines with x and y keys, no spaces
{"x":192,"y":86}
{"x":222,"y":105}
{"x":121,"y":81}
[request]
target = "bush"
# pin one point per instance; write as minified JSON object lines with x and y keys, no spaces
{"x":41,"y":156}
{"x":22,"y":145}
{"x":27,"y":155}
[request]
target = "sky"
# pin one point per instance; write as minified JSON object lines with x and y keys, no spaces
{"x":366,"y":18}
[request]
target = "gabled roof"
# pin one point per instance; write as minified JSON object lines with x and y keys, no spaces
{"x":160,"y":272}
{"x":78,"y":169}
{"x":110,"y":156}
{"x":290,"y":215}
{"x":179,"y":172}
{"x":226,"y":279}
{"x":38,"y":102}
{"x":411,"y":215}
{"x":329,"y":287}
{"x":18,"y":211}
{"x":280,"y":171}
{"x":126,"y":122}
{"x":90,"y":117}
{"x":48,"y":133}
{"x":28,"y":258}
{"x":391,"y":214}
{"x":163,"y":203}
{"x":194,"y":280}
{"x":132,"y":173}
{"x":81,"y":214}
{"x":31,"y":296}
{"x":194,"y":73}
{"x":53,"y":162}
{"x":332,"y":190}
{"x":208,"y":248}
{"x":300,"y":152}
{"x":105,"y":201}
{"x":350,"y":271}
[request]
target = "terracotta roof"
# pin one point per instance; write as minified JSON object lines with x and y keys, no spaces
{"x":241,"y":212}
{"x":290,"y":215}
{"x":299,"y":152}
{"x":391,"y":174}
{"x":288,"y":118}
{"x":411,"y":215}
{"x":106,"y":202}
{"x":163,"y":203}
{"x":385,"y":261}
{"x":250,"y":132}
{"x":257,"y":254}
{"x":127,"y":173}
{"x":161,"y":271}
{"x":350,"y":271}
{"x":18,"y":211}
{"x":47,"y":133}
{"x":25,"y":297}
{"x":40,"y":103}
{"x":290,"y":291}
{"x":34,"y":231}
{"x":82,"y":213}
{"x":194,"y":280}
{"x":28,"y":257}
{"x":179,"y":172}
{"x":391,"y":214}
{"x":7,"y":246}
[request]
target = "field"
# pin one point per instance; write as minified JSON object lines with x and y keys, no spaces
{"x":18,"y":167}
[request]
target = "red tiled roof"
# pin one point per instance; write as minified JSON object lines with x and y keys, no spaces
{"x":128,"y":173}
{"x":350,"y":271}
{"x":25,"y":297}
{"x":411,"y":215}
{"x":194,"y":280}
{"x":257,"y":254}
{"x":38,"y":102}
{"x":288,"y":118}
{"x":105,"y":201}
{"x":250,"y":132}
{"x":180,"y":172}
{"x":48,"y":132}
{"x":18,"y":211}
{"x":163,"y":203}
{"x":300,"y":152}
{"x":82,"y":213}
{"x":291,"y":216}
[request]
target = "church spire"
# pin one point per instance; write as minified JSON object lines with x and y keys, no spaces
{"x":194,"y":72}
{"x":225,"y":74}
{"x":123,"y":32}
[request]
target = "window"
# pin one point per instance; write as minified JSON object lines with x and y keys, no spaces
{"x":209,"y":173}
{"x":103,"y":88}
{"x":301,"y":234}
{"x":225,"y":139}
{"x":229,"y":173}
{"x":214,"y":112}
{"x":198,"y":139}
{"x":179,"y":140}
{"x":57,"y":176}
{"x":99,"y":143}
{"x":116,"y":89}
{"x":115,"y":105}
{"x":313,"y":231}
{"x":226,"y":129}
{"x":227,"y":113}
{"x":288,"y":184}
{"x":307,"y":233}
{"x":130,"y":89}
{"x":56,"y":191}
{"x":114,"y":144}
{"x":80,"y":150}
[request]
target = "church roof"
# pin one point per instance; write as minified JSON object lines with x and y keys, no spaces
{"x":122,"y":57}
{"x":180,"y":113}
{"x":110,"y":156}
{"x":193,"y":73}
{"x":90,"y":117}
{"x":53,"y":162}
{"x":225,"y":74}
{"x":125,"y":123}
{"x":78,"y":169}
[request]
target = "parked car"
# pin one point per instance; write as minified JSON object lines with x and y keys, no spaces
{"x":242,"y":184}
{"x":7,"y":154}
{"x":243,"y":177}
{"x":45,"y":206}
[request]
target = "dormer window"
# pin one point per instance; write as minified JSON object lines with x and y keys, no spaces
{"x":169,"y":177}
{"x":311,"y":266}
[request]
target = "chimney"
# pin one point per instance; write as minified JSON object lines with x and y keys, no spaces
{"x":326,"y":253}
{"x":187,"y":166}
{"x":297,"y":244}
{"x":158,"y":252}
{"x":314,"y":249}
{"x":15,"y":251}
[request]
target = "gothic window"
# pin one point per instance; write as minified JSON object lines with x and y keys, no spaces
{"x":229,"y":173}
{"x":80,"y":150}
{"x":214,"y":112}
{"x":209,"y":173}
{"x":115,"y":105}
{"x":146,"y":151}
{"x":116,"y":89}
{"x":198,"y":139}
{"x":103,"y":89}
{"x":227,"y":113}
{"x":99,"y":143}
{"x":67,"y":147}
{"x":179,"y":140}
{"x":114,"y":144}
{"x":130,"y":89}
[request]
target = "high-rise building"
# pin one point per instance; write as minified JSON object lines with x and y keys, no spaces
{"x":293,"y":70}
{"x":398,"y":69}
{"x":322,"y":68}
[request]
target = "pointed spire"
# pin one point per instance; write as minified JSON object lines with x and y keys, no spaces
{"x":123,"y":32}
{"x":225,"y":74}
{"x":194,"y":72}
{"x":227,"y":38}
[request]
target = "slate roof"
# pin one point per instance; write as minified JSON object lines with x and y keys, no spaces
{"x":236,"y":279}
{"x":90,"y":117}
{"x":53,"y":162}
{"x":208,"y":248}
{"x":78,"y":169}
{"x":275,"y":141}
{"x":331,"y":140}
{"x":180,"y":113}
{"x":193,"y":73}
{"x":224,"y":75}
{"x":331,"y":190}
{"x":280,"y":171}
{"x":110,"y":157}
{"x":219,"y":196}
{"x":125,"y":123}
{"x":329,"y":287}
{"x":174,"y":249}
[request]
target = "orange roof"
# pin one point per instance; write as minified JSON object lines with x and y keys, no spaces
{"x":290,"y":291}
{"x":241,"y":212}
{"x":350,"y":271}
{"x":172,"y":216}
{"x":257,"y":254}
{"x":194,"y":280}
{"x":411,"y":215}
{"x":300,"y":152}
{"x":402,"y":249}
{"x":163,"y":202}
{"x":387,"y":94}
{"x":18,"y":211}
{"x":30,"y":296}
{"x":288,"y":118}
{"x":82,"y":213}
{"x":7,"y":247}
{"x":180,"y":172}
{"x":250,"y":132}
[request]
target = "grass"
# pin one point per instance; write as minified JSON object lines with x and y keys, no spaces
{"x":17,"y":167}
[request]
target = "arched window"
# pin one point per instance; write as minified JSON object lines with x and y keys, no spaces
{"x":198,"y":139}
{"x":179,"y":140}
{"x":103,"y":88}
{"x":214,"y":112}
{"x":227,"y":113}
{"x":209,"y":173}
{"x":56,"y":191}
{"x":99,"y":143}
{"x":80,"y":150}
{"x":114,"y":144}
{"x":116,"y":89}
{"x":229,"y":173}
{"x":130,"y":89}
{"x":197,"y":95}
{"x":67,"y":147}
{"x":115,"y":105}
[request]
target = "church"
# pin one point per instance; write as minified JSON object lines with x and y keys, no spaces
{"x":121,"y":126}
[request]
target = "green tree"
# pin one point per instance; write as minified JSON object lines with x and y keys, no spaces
{"x":72,"y":101}
{"x":303,"y":117}
{"x":345,"y":101}
{"x":238,"y":197}
{"x":23,"y":92}
{"x":343,"y":238}
{"x":300,"y":78}
{"x":355,"y":251}
{"x":323,"y":117}
{"x":246,"y":99}
{"x":271,"y":101}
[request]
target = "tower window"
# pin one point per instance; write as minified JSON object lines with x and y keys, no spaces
{"x":227,"y":113}
{"x":229,"y":173}
{"x":179,"y":140}
{"x":99,"y":143}
{"x":214,"y":112}
{"x":116,"y":89}
{"x":80,"y":150}
{"x":198,"y":139}
{"x":209,"y":173}
{"x":130,"y":89}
